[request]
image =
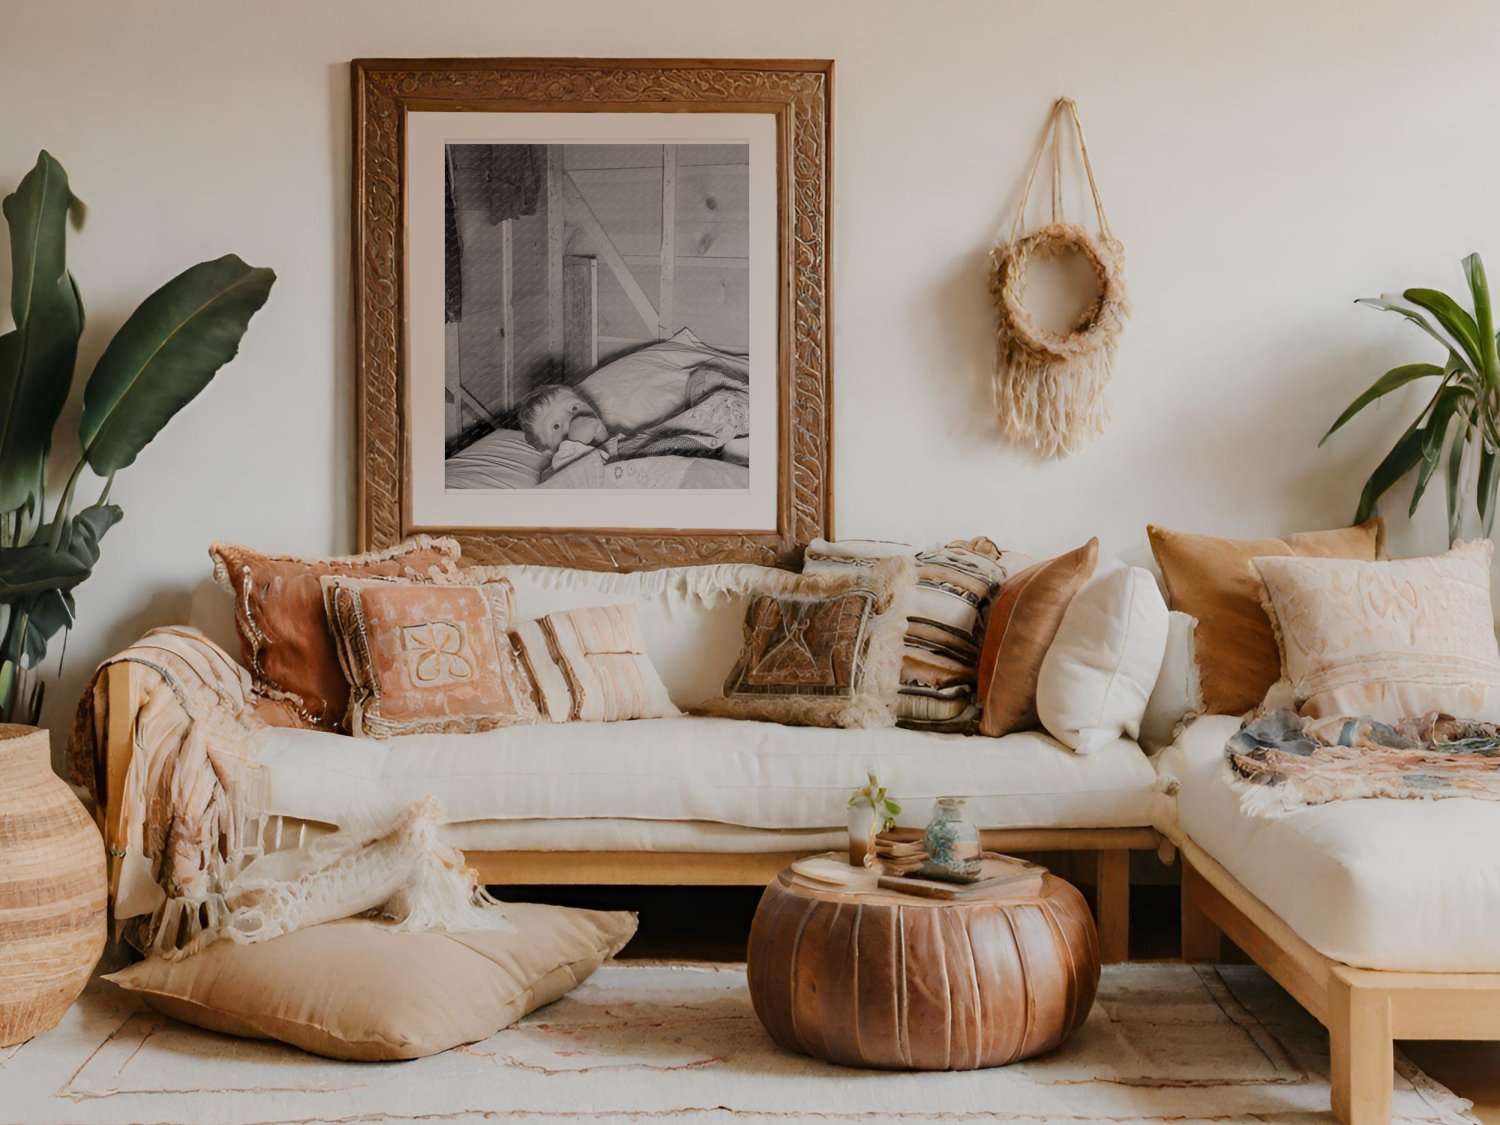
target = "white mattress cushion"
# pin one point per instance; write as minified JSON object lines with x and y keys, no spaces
{"x":731,"y":771}
{"x":1379,"y":884}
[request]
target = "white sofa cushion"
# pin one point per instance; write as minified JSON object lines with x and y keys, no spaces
{"x":1379,"y":884}
{"x":731,"y":771}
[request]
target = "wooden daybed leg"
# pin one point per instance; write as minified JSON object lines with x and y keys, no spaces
{"x":1361,"y":1051}
{"x":1202,"y":941}
{"x":1112,"y":886}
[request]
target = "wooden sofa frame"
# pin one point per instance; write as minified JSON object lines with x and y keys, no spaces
{"x":1364,"y":1010}
{"x":1111,"y":846}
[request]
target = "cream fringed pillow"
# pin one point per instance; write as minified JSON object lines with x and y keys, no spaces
{"x":356,"y":990}
{"x":823,"y":649}
{"x":424,"y":657}
{"x":590,"y":665}
{"x":1390,"y":640}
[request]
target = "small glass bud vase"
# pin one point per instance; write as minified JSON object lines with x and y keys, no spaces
{"x":951,"y":843}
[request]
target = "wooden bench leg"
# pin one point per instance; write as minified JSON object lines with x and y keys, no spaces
{"x":1361,"y":1052}
{"x":1112,"y":886}
{"x":1202,"y":941}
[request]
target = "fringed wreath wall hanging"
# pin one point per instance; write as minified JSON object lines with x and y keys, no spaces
{"x":1049,"y":386}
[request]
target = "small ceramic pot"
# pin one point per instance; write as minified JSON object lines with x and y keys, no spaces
{"x":861,"y":832}
{"x":951,"y":843}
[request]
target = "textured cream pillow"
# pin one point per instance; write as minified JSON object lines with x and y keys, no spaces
{"x":1177,"y":693}
{"x":357,"y":990}
{"x":1100,"y":668}
{"x":590,"y":665}
{"x":1390,"y":640}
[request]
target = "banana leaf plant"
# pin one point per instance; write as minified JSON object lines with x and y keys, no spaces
{"x":1457,"y":428}
{"x":164,"y":354}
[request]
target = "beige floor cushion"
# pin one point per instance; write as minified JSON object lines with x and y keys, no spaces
{"x":358,"y":990}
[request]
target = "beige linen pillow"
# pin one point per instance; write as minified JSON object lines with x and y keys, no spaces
{"x":1213,"y":580}
{"x":590,"y":665}
{"x":424,"y":657}
{"x":1390,"y":640}
{"x":357,"y":990}
{"x":823,"y":650}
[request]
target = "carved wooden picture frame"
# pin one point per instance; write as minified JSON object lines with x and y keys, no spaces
{"x":405,"y":120}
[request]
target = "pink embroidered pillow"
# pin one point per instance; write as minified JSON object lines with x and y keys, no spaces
{"x":427,"y":657}
{"x":590,"y":665}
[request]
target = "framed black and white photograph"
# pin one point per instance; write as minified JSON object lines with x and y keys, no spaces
{"x":598,"y":348}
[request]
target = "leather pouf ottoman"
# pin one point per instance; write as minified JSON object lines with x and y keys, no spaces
{"x":889,"y":980}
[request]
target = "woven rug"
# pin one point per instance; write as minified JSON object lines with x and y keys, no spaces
{"x":642,"y":1042}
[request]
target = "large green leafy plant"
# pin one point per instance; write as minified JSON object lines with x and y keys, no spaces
{"x":163,"y":355}
{"x":1457,"y":427}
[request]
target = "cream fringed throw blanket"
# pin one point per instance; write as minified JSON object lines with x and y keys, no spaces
{"x":1280,"y":761}
{"x":191,"y":843}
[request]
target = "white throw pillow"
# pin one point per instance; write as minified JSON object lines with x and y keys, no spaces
{"x":1178,"y":694}
{"x":1098,"y":674}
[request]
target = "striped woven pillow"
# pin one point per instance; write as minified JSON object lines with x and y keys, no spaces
{"x":955,"y":585}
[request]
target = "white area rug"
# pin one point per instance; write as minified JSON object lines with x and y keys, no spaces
{"x":646,"y":1042}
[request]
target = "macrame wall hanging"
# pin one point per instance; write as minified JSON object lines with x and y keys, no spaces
{"x":1049,"y":386}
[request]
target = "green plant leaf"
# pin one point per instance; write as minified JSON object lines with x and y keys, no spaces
{"x":1484,"y":316}
{"x":50,"y":612}
{"x":1390,"y":302}
{"x":1488,"y":480}
{"x":35,"y":568}
{"x":1445,"y":404}
{"x":168,"y":351}
{"x":37,"y":356}
{"x":1394,"y":379}
{"x":1454,"y":319}
{"x":1402,"y":458}
{"x":1455,"y":475}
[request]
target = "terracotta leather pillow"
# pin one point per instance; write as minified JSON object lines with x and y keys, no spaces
{"x":285,"y":640}
{"x":358,"y":990}
{"x":1215,"y":581}
{"x":427,"y":657}
{"x":1023,"y":622}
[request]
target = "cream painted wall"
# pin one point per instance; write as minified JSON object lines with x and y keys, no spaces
{"x":1264,"y":164}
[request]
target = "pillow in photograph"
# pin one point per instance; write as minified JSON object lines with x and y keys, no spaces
{"x":285,"y":638}
{"x":424,"y":657}
{"x":1213,"y":580}
{"x":590,"y":665}
{"x":1388,"y":640}
{"x":651,"y":384}
{"x":823,"y":649}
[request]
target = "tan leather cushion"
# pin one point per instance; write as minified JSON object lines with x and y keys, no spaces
{"x":356,"y":990}
{"x":1022,"y":624}
{"x":285,"y":640}
{"x":427,"y":657}
{"x":1214,"y":580}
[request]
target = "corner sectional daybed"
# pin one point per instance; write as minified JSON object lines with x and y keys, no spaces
{"x":1378,"y":915}
{"x":687,"y":800}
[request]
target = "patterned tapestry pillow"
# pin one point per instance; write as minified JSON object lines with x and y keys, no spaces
{"x":823,"y":649}
{"x":1387,"y":640}
{"x":956,"y":584}
{"x":1022,"y":626}
{"x":284,"y":634}
{"x":425,"y":657}
{"x":590,"y":665}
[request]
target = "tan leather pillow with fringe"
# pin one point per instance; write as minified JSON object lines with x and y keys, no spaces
{"x":823,"y":650}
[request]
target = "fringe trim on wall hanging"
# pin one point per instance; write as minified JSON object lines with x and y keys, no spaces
{"x":1049,"y":386}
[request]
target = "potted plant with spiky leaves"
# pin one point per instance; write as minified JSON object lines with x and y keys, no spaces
{"x":164,"y":354}
{"x":1459,"y":426}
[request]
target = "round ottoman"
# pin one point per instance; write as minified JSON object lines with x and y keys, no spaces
{"x":883,"y":979}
